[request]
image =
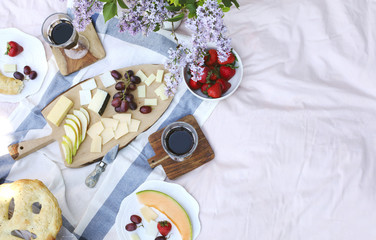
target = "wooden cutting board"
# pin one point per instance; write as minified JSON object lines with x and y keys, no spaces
{"x":84,"y":156}
{"x":203,"y":153}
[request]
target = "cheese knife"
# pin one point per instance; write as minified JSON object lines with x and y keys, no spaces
{"x":93,"y":177}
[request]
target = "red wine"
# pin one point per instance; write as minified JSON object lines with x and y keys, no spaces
{"x":62,"y":32}
{"x":179,"y":141}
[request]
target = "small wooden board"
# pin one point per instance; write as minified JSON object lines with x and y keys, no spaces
{"x":96,"y":52}
{"x":203,"y":153}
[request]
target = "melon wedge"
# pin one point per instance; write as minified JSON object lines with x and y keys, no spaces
{"x":169,"y":207}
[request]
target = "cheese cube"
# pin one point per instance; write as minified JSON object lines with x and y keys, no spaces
{"x":107,"y":135}
{"x":163,"y":96}
{"x":89,"y":84}
{"x":150,"y":79}
{"x":150,"y":102}
{"x":141,"y":90}
{"x":121,"y":130}
{"x":107,"y":79}
{"x":95,"y":129}
{"x":167,"y":76}
{"x":141,"y":75}
{"x":99,"y":102}
{"x":59,"y":110}
{"x":135,"y":236}
{"x":85,"y":97}
{"x":110,"y":123}
{"x":96,"y":144}
{"x":148,"y":213}
{"x":10,"y":68}
{"x":123,"y":117}
{"x":159,"y":75}
{"x":135,"y":124}
{"x":151,"y":228}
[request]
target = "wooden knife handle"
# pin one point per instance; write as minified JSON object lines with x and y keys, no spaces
{"x":22,"y":149}
{"x":155,"y":161}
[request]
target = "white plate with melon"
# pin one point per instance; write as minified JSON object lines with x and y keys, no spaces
{"x":170,"y":202}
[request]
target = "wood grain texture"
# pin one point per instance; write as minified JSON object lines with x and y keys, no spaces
{"x":96,"y":52}
{"x":203,"y":153}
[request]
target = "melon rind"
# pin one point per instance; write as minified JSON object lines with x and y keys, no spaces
{"x":169,"y":207}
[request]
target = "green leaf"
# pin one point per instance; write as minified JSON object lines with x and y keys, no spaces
{"x":173,"y":8}
{"x":106,"y":0}
{"x":226,"y":9}
{"x":109,"y":10}
{"x":227,"y":3}
{"x":176,"y":18}
{"x":192,"y":9}
{"x":235,"y":3}
{"x":122,"y":4}
{"x":157,"y":28}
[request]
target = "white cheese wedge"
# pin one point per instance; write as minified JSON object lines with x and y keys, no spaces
{"x":107,"y":135}
{"x":96,"y":144}
{"x":123,"y":117}
{"x":134,"y":236}
{"x":107,"y":79}
{"x":10,"y":68}
{"x":89,"y":84}
{"x":150,"y":79}
{"x":59,"y":110}
{"x":95,"y":129}
{"x":150,"y":102}
{"x":160,"y":73}
{"x":110,"y":123}
{"x":135,"y":124}
{"x":99,"y":102}
{"x":148,"y":213}
{"x":85,"y":97}
{"x":141,"y":91}
{"x":121,"y":130}
{"x":141,"y":75}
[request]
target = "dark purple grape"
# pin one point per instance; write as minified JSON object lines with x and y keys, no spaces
{"x":124,"y":106}
{"x":128,"y":74}
{"x":120,"y":86}
{"x":145,"y":109}
{"x":160,"y":238}
{"x":27,"y":70}
{"x":132,"y":105}
{"x":135,"y":79}
{"x":132,"y":86}
{"x":115,"y":74}
{"x":129,"y":97}
{"x":33,"y":75}
{"x":18,"y":75}
{"x":131,"y":227}
{"x":118,"y":95}
{"x":118,"y":109}
{"x":136,"y":219}
{"x":116,"y":102}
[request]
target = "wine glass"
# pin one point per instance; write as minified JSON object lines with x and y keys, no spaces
{"x":58,"y":31}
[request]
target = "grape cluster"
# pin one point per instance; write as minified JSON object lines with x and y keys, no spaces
{"x":135,"y":219}
{"x":27,"y":71}
{"x":124,"y":99}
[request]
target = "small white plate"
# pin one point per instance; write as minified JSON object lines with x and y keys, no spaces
{"x":130,"y":206}
{"x":33,"y":55}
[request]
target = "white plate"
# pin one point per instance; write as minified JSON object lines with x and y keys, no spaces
{"x":33,"y":55}
{"x":130,"y":206}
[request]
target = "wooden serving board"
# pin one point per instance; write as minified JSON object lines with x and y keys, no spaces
{"x":96,"y":52}
{"x":203,"y":153}
{"x":84,"y":156}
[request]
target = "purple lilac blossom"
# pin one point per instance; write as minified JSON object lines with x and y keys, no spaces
{"x":83,"y":10}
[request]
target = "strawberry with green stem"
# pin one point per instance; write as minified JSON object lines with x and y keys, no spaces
{"x":13,"y":49}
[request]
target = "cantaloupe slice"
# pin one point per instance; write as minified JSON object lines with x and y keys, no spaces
{"x":169,"y":207}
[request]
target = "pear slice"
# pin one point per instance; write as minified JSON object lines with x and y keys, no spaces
{"x":67,"y":152}
{"x":86,"y":114}
{"x":76,"y":128}
{"x":68,"y":141}
{"x":72,"y":135}
{"x":78,"y":122}
{"x":84,"y":123}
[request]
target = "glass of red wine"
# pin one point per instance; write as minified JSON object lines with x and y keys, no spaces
{"x":58,"y":31}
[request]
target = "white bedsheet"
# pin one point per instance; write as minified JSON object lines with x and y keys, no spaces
{"x":295,"y":145}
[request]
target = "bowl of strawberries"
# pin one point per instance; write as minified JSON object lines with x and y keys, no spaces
{"x":219,"y":79}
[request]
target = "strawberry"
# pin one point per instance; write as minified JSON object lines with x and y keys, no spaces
{"x":227,"y":72}
{"x":204,"y":88}
{"x":204,"y":75}
{"x":224,"y":84}
{"x":215,"y":91}
{"x":164,"y":227}
{"x":13,"y":49}
{"x":194,"y":85}
{"x":230,"y":59}
{"x":212,"y":57}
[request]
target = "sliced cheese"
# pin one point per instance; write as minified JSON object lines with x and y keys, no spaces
{"x":110,"y":123}
{"x":121,"y":130}
{"x":107,"y":135}
{"x":167,"y":76}
{"x":10,"y":68}
{"x":148,"y":213}
{"x":96,"y":144}
{"x":99,"y":102}
{"x":135,"y":236}
{"x":59,"y":110}
{"x":107,"y":79}
{"x":141,"y":75}
{"x":150,"y":102}
{"x":150,"y":79}
{"x":123,"y":117}
{"x":160,"y":91}
{"x":95,"y":129}
{"x":89,"y":84}
{"x":135,"y":124}
{"x":160,"y":73}
{"x":151,"y":228}
{"x":141,"y":90}
{"x":85,"y":97}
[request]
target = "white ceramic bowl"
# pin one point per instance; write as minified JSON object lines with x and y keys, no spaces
{"x":235,"y":82}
